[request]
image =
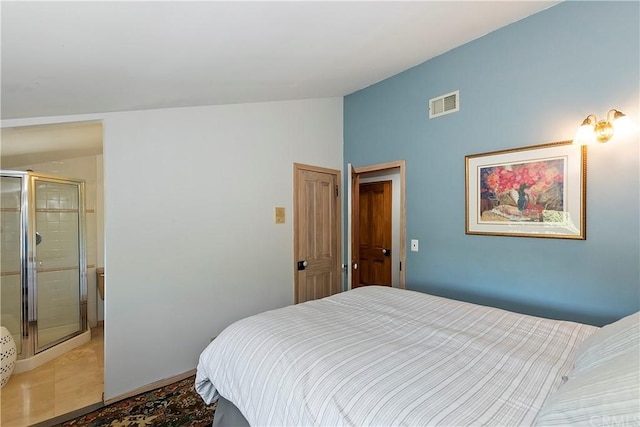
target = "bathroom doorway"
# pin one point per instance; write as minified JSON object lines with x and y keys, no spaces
{"x":66,"y":370}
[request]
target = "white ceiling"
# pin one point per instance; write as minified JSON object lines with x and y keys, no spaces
{"x":65,"y":58}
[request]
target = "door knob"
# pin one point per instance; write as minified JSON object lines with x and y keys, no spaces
{"x":386,"y":252}
{"x":302,"y":265}
{"x":355,"y":265}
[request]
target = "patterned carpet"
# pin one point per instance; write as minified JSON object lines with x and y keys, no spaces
{"x":174,"y":405}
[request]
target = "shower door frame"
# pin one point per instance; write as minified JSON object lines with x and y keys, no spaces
{"x":28,"y":261}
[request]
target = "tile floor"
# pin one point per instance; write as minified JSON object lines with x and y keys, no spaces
{"x":69,"y":382}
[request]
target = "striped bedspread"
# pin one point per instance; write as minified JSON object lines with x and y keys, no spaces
{"x":384,"y":357}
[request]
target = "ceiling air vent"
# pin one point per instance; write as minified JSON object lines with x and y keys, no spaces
{"x":445,"y":104}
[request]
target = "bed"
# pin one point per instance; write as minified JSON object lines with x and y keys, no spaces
{"x":380,"y":356}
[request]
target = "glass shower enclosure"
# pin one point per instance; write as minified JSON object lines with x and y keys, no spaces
{"x":43,"y":281}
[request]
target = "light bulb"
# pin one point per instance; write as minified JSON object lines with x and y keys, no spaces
{"x":585,"y":135}
{"x":623,"y":128}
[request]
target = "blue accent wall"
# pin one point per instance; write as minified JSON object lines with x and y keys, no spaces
{"x":529,"y":83}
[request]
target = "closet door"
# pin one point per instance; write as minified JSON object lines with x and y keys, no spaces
{"x":317,"y":233}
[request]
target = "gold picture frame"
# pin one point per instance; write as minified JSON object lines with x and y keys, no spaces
{"x":534,"y":191}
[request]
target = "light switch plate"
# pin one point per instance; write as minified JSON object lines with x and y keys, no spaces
{"x":414,"y":245}
{"x":279,"y":215}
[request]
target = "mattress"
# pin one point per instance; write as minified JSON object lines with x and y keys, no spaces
{"x":384,"y":356}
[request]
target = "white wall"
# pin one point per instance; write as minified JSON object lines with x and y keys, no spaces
{"x":191,"y":243}
{"x":190,"y":239}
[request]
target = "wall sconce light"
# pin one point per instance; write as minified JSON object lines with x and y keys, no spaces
{"x":593,"y":130}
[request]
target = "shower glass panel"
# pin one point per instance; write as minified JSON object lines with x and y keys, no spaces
{"x":10,"y":257}
{"x":43,"y":277}
{"x":58,"y":264}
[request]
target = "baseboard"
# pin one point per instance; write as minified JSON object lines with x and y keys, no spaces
{"x":56,"y":421}
{"x":152,"y":386}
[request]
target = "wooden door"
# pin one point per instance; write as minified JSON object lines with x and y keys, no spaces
{"x":317,"y":233}
{"x":374,"y":235}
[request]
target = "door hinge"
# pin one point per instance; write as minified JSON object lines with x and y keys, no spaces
{"x":400,"y":265}
{"x":336,"y":191}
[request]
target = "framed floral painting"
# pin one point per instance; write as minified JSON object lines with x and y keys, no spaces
{"x":536,"y":191}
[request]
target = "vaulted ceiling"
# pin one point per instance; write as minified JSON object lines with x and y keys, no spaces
{"x":77,"y":57}
{"x":74,"y":57}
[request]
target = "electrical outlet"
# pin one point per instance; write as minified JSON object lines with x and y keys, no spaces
{"x":414,"y":245}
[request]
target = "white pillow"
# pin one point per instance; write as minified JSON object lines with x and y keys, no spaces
{"x":608,"y":394}
{"x":607,"y":343}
